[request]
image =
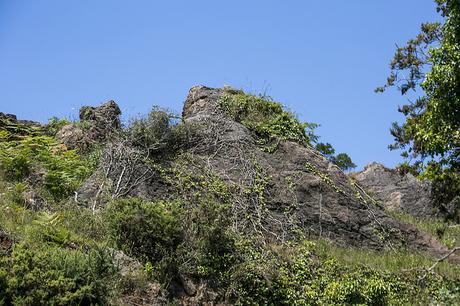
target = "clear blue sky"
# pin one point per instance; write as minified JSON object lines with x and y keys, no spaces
{"x":320,"y":58}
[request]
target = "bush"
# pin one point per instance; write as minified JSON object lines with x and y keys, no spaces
{"x":157,"y":133}
{"x":146,"y":230}
{"x":267,"y":118}
{"x":55,"y":276}
{"x":64,"y":169}
{"x":55,"y":125}
{"x":296,"y":275}
{"x":209,"y":250}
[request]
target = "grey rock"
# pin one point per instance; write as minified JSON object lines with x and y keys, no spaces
{"x":96,"y":124}
{"x":400,"y":193}
{"x":73,"y":137}
{"x":13,"y":119}
{"x":304,"y":191}
{"x":10,"y":117}
{"x":125,"y":263}
{"x":106,"y":116}
{"x":188,"y":284}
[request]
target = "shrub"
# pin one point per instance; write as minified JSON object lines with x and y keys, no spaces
{"x":267,"y":118}
{"x":55,"y":125}
{"x":55,"y":276}
{"x":146,"y":230}
{"x":64,"y":169}
{"x":296,"y":275}
{"x":209,"y":250}
{"x":157,"y":133}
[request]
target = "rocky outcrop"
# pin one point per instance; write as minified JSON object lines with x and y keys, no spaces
{"x":13,"y":119}
{"x":96,"y":123}
{"x":105,"y":117}
{"x":397,"y":192}
{"x":293,"y":190}
{"x":304,"y":190}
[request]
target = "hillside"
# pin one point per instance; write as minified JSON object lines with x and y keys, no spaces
{"x":228,"y":203}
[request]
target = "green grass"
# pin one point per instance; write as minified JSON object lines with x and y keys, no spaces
{"x":447,"y":233}
{"x":385,"y":261}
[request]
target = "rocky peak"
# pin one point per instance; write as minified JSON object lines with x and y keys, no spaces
{"x":298,"y":190}
{"x":202,"y":100}
{"x":96,"y":123}
{"x":106,"y":115}
{"x":13,"y":119}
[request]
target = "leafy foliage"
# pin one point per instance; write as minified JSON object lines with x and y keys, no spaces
{"x":342,"y":160}
{"x":25,"y":151}
{"x":267,"y":118}
{"x":316,"y":274}
{"x":54,"y":125}
{"x":431,"y":131}
{"x":55,"y":276}
{"x":146,"y":230}
{"x":158,"y":133}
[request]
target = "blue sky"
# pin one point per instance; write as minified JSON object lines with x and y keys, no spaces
{"x":320,"y":58}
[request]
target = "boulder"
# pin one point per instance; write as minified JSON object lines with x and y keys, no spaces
{"x":106,"y":116}
{"x":73,"y":137}
{"x":96,"y":124}
{"x":11,"y":118}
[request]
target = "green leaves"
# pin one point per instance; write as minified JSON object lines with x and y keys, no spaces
{"x":267,"y":118}
{"x":33,"y":154}
{"x":342,"y":160}
{"x":55,"y":276}
{"x":147,"y":230}
{"x":431,"y":62}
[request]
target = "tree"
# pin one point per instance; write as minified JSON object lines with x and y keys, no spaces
{"x":429,"y":65}
{"x":342,"y":160}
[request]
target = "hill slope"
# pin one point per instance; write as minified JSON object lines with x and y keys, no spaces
{"x":229,"y":204}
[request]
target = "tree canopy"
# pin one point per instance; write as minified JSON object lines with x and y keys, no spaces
{"x":341,"y":160}
{"x":429,"y":65}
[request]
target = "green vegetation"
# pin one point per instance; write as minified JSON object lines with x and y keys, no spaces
{"x":342,"y":160}
{"x":321,"y":274}
{"x":51,"y":275}
{"x":447,"y":232}
{"x":65,"y":254}
{"x":25,"y":152}
{"x":267,"y":119}
{"x":146,"y":230}
{"x":430,"y":135}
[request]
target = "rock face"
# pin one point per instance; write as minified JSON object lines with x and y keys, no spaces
{"x":73,"y":137}
{"x":400,"y":193}
{"x":96,"y":123}
{"x":304,"y":190}
{"x":11,"y":117}
{"x":294,"y":190}
{"x":105,"y":117}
